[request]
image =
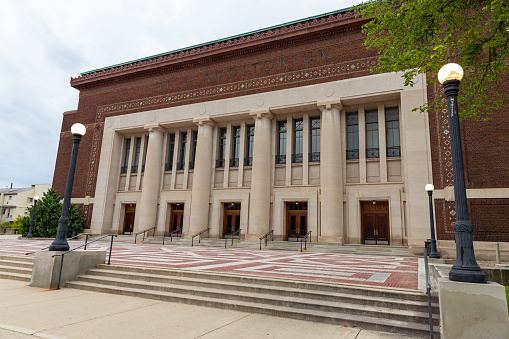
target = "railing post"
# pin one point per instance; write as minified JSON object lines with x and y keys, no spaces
{"x":60,"y":274}
{"x":111,"y":247}
{"x":135,"y":236}
{"x":86,"y":240}
{"x":154,"y":233}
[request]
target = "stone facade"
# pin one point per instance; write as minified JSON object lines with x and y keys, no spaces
{"x":283,"y":129}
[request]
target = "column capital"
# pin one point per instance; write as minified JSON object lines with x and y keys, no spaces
{"x":154,"y":127}
{"x":328,"y":105}
{"x":204,"y":121}
{"x":261,"y":114}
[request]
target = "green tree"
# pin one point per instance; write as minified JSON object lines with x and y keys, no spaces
{"x":20,"y":223}
{"x":420,"y":36}
{"x":4,"y":226}
{"x":47,"y":214}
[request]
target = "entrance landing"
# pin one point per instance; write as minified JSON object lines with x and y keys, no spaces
{"x":382,"y":271}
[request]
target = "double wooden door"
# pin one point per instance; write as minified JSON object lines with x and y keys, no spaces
{"x":375,"y":222}
{"x":296,"y":220}
{"x":176,"y":216}
{"x":231,"y":220}
{"x":130,"y":213}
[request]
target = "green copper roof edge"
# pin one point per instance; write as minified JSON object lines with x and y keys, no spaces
{"x":344,"y":10}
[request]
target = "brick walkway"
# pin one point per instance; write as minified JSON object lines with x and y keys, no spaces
{"x":323,"y":267}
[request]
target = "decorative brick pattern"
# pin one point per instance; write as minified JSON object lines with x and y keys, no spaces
{"x":297,"y":77}
{"x":396,"y":272}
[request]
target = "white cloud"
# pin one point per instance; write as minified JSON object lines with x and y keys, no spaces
{"x":44,"y":43}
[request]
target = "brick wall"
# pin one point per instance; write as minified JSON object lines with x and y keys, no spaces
{"x":489,"y":217}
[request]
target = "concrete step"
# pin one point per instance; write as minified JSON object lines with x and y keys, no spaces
{"x":387,"y":325}
{"x":399,"y":251}
{"x":295,"y":300}
{"x":347,"y":296}
{"x":15,"y":276}
{"x":383,"y":309}
{"x":16,"y":267}
{"x":24,"y":258}
{"x":16,"y":263}
{"x":271,"y":282}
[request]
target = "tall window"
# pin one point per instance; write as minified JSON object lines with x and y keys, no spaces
{"x":352,"y":135}
{"x":298,"y":141}
{"x":372,"y":134}
{"x":221,"y":148}
{"x":127,"y":150}
{"x":182,"y":154}
{"x":193,"y":154}
{"x":145,"y":154}
{"x":234,"y":159}
{"x":314,"y":155}
{"x":171,"y":151}
{"x":248,"y":161}
{"x":392,"y":132}
{"x":281,"y":147}
{"x":134,"y":167}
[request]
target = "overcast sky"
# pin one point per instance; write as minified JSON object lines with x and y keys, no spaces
{"x":45,"y":43}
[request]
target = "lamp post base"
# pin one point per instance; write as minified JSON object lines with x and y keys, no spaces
{"x":433,"y":250}
{"x":468,"y":275}
{"x":64,"y":247}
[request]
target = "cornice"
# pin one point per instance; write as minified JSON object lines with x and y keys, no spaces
{"x":314,"y":26}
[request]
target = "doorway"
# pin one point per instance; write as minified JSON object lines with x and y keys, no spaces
{"x":296,"y":220}
{"x":375,"y":222}
{"x":231,"y":220}
{"x":176,"y":217}
{"x":130,"y":212}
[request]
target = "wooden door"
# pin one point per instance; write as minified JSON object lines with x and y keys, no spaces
{"x":375,"y":222}
{"x":231,"y":219}
{"x":130,"y":213}
{"x":296,"y":220}
{"x":176,"y":216}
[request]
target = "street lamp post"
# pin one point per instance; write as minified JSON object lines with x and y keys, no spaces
{"x":60,"y":242}
{"x":433,"y":251}
{"x":29,"y":235}
{"x":465,"y":269}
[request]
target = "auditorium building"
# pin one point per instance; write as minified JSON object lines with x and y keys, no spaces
{"x":282,"y":129}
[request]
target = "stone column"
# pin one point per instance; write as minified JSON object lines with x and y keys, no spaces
{"x":331,"y":176}
{"x":151,"y":179}
{"x":200,"y":196}
{"x":259,"y":203}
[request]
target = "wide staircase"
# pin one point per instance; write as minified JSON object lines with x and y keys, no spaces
{"x":16,"y":267}
{"x":382,"y":309}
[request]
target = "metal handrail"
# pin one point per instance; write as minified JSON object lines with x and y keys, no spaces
{"x":145,"y":231}
{"x":265,"y":237}
{"x":171,"y":234}
{"x":305,"y":239}
{"x":45,"y":248}
{"x":230,"y":236}
{"x":199,"y":235}
{"x":85,"y":244}
{"x":428,"y":289}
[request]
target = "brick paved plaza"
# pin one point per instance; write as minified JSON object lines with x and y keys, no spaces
{"x":385,"y":271}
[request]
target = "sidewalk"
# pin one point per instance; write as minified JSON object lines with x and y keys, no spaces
{"x":27,"y":312}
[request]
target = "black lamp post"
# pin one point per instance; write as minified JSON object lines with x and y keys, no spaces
{"x":29,"y":235}
{"x":60,"y":242}
{"x":465,"y":269}
{"x":433,"y":250}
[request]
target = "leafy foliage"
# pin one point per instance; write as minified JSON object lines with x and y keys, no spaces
{"x":420,"y":36}
{"x":47,"y":213}
{"x":5,"y":226}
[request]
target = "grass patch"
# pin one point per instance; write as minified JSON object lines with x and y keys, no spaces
{"x":507,"y":294}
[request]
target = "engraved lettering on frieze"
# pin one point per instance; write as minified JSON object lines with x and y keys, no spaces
{"x":285,"y":65}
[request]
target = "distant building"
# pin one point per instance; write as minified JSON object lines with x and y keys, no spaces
{"x":16,"y":201}
{"x":282,"y":129}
